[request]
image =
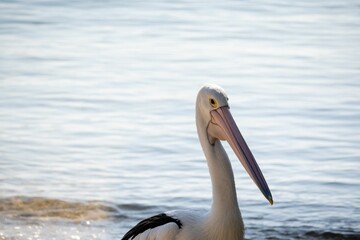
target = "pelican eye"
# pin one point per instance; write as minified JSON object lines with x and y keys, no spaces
{"x":213,"y":103}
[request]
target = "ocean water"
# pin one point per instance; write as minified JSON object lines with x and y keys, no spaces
{"x":97,"y":127}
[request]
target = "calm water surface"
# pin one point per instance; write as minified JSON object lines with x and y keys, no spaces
{"x":97,"y":127}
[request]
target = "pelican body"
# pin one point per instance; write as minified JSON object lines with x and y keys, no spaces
{"x":223,"y":221}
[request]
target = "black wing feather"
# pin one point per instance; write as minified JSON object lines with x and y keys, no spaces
{"x":150,"y":223}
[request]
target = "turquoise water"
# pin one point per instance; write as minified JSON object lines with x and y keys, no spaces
{"x":97,"y":127}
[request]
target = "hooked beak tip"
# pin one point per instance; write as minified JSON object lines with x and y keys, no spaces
{"x":270,"y":199}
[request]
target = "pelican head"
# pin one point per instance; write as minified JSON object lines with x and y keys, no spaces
{"x":213,"y":108}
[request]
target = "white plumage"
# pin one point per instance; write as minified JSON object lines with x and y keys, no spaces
{"x":223,"y":221}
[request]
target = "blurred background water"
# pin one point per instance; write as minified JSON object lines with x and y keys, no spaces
{"x":97,"y":123}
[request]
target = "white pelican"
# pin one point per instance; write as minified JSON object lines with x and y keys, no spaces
{"x":223,"y":221}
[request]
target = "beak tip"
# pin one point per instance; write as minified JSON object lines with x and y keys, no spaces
{"x":270,"y":199}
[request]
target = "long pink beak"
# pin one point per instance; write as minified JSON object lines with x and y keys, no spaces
{"x":230,"y":132}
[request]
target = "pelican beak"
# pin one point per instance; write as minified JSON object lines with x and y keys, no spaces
{"x":224,"y":127}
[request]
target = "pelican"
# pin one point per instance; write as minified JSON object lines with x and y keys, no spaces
{"x":223,"y":221}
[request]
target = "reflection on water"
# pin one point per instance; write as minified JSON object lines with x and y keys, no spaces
{"x":44,"y":208}
{"x":44,"y":218}
{"x":97,"y":113}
